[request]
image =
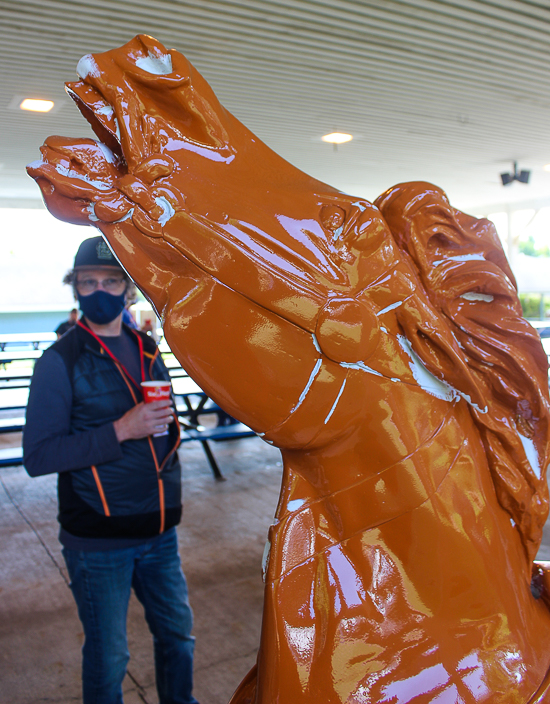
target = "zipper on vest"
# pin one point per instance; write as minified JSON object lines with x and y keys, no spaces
{"x":100,"y":490}
{"x":158,"y":469}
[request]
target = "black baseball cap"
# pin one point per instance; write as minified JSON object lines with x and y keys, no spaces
{"x":95,"y":252}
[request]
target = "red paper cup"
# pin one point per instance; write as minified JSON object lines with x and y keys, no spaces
{"x":156,"y":391}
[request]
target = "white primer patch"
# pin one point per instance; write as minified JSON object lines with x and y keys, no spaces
{"x":360,"y":365}
{"x":295,"y":504}
{"x":127,"y":216}
{"x":390,"y":307}
{"x":159,"y":66}
{"x":461,"y":258}
{"x":337,"y":233}
{"x":532,"y":454}
{"x":167,"y":208}
{"x":470,"y":402}
{"x":425,"y":379}
{"x":87,"y":67}
{"x":100,"y":185}
{"x":107,"y":153}
{"x":105,"y":110}
{"x":36,"y":164}
{"x":336,"y":402}
{"x":91,"y":210}
{"x":308,"y":385}
{"x":473,"y":296}
{"x":265,"y":558}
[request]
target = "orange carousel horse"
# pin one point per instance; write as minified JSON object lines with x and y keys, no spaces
{"x":380,"y":347}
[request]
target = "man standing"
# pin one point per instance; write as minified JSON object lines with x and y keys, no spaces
{"x":66,"y":325}
{"x":118,"y":482}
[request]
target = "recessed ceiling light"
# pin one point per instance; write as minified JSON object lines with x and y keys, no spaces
{"x":35,"y":105}
{"x":546,"y":167}
{"x":337,"y":137}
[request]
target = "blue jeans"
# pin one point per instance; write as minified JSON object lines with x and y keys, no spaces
{"x":101,"y":583}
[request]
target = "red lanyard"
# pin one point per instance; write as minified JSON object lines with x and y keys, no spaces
{"x":112,"y":356}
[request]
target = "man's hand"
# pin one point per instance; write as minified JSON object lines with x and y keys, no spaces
{"x":144,"y":419}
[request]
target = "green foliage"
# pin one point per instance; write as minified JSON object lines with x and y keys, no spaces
{"x":528,"y":247}
{"x":531,"y":305}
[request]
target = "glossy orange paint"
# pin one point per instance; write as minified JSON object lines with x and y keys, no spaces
{"x":380,"y":347}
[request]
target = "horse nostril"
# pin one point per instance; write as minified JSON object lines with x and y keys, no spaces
{"x":347,"y":330}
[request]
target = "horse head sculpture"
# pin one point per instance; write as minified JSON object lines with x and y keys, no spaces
{"x":380,"y":347}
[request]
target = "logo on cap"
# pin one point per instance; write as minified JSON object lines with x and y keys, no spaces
{"x":103,"y":252}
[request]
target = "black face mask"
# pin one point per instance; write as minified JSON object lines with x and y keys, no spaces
{"x":101,"y":307}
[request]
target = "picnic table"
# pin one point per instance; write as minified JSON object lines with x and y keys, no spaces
{"x":34,"y":340}
{"x":192,"y":404}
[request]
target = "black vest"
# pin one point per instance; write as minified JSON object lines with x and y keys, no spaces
{"x":129,"y":497}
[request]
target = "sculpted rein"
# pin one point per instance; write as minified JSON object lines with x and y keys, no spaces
{"x":380,"y":347}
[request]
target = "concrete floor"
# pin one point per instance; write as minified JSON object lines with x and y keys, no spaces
{"x":222,"y":537}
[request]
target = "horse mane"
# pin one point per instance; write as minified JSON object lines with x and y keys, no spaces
{"x":462,"y":267}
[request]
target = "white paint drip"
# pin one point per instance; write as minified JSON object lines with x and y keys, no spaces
{"x":91,"y":210}
{"x":360,"y":365}
{"x":336,"y":402}
{"x":390,"y":307}
{"x":167,"y":208}
{"x":473,"y":296}
{"x":531,"y":453}
{"x":82,"y":177}
{"x":158,"y":65}
{"x":87,"y":67}
{"x":295,"y":504}
{"x":107,"y":153}
{"x":461,"y":258}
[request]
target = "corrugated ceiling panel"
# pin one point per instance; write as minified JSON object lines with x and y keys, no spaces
{"x":447,"y":91}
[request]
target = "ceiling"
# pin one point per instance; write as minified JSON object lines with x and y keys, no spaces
{"x":446,"y":91}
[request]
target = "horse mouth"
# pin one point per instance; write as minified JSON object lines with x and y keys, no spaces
{"x":100,"y":114}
